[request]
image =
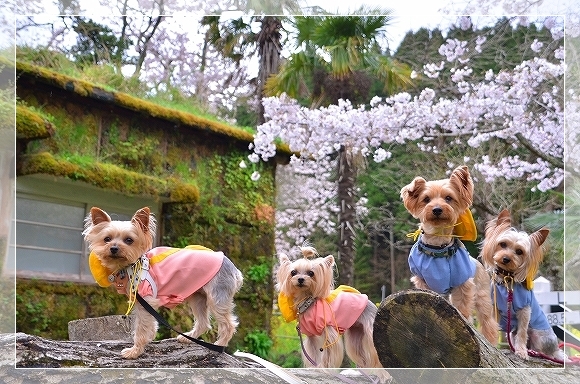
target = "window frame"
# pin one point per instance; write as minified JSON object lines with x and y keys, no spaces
{"x":43,"y":188}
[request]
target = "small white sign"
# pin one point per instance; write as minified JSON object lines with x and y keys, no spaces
{"x":555,"y":318}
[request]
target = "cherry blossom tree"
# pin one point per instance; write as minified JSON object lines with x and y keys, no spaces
{"x":522,"y":107}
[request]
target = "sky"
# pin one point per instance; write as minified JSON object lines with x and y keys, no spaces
{"x":410,"y":14}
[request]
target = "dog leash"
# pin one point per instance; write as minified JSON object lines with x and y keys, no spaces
{"x":531,"y":352}
{"x":315,"y":364}
{"x":161,"y":320}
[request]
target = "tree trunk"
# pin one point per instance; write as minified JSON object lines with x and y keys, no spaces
{"x":13,"y":373}
{"x":37,"y":352}
{"x":346,"y":217}
{"x":421,"y":329}
{"x":269,"y":48}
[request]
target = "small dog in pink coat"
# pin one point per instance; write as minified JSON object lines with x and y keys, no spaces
{"x":122,"y":253}
{"x":307,"y":294}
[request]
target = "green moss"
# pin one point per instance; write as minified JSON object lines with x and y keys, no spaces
{"x":239,"y":198}
{"x":7,"y":308}
{"x":31,"y":124}
{"x":88,"y":89}
{"x":107,"y":176}
{"x":45,"y":308}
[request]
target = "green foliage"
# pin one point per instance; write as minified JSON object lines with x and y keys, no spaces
{"x":552,"y":266}
{"x":38,"y":317}
{"x":352,"y":60}
{"x":47,"y":58}
{"x":44,"y":308}
{"x":512,"y":43}
{"x":245,"y":116}
{"x":97,"y":43}
{"x":259,"y":273}
{"x":138,"y":154}
{"x":7,"y":303}
{"x":258,"y":343}
{"x":286,"y":349}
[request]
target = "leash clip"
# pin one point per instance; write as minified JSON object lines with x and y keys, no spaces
{"x":509,"y":282}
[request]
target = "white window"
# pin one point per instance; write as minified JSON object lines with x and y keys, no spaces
{"x":49,"y":241}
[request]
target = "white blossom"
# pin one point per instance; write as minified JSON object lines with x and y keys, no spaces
{"x":525,"y":102}
{"x":536,"y":45}
{"x":253,"y":157}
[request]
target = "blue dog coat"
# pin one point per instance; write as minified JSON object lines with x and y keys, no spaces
{"x":522,"y":297}
{"x":442,"y":268}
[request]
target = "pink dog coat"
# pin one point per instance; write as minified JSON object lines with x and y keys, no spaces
{"x":340,"y":313}
{"x":178,"y":273}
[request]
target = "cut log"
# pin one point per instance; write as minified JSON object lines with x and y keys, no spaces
{"x":37,"y":352}
{"x":421,"y":329}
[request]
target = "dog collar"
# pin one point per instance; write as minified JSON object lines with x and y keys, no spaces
{"x":139,"y":271}
{"x":305,"y":304}
{"x":502,"y":272}
{"x":446,"y":251}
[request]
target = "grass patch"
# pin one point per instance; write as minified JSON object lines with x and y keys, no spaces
{"x":286,"y":348}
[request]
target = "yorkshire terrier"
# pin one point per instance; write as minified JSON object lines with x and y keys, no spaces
{"x":122,"y":253}
{"x":307,"y":294}
{"x":513,"y":257}
{"x":438,"y":260}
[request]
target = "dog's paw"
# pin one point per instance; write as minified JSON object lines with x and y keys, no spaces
{"x":185,"y":340}
{"x":131,"y":353}
{"x":523,"y":353}
{"x":385,"y":377}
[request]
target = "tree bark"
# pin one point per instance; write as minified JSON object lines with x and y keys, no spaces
{"x":269,"y":48}
{"x":37,"y":352}
{"x":346,"y":217}
{"x":421,"y":329}
{"x":11,"y":373}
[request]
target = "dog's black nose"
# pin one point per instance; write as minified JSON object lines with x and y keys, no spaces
{"x":437,"y":211}
{"x":114,"y":249}
{"x":301,"y":281}
{"x":506,"y":260}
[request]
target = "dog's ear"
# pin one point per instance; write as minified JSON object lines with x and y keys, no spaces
{"x":99,"y":216}
{"x":329,"y":261}
{"x":504,"y":218}
{"x":410,"y":193}
{"x":462,"y":181}
{"x":539,"y":237}
{"x":283,"y":258}
{"x":141,"y":219}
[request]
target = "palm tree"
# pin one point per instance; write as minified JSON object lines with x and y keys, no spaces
{"x":236,"y":40}
{"x":334,"y":51}
{"x":337,"y":57}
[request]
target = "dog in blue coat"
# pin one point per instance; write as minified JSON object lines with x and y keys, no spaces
{"x":438,"y":260}
{"x":512,"y":257}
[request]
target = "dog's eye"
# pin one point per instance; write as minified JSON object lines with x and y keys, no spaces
{"x":310,"y":273}
{"x":293,"y":272}
{"x":128,"y":241}
{"x":448,"y":199}
{"x":426,"y":200}
{"x":519,"y":252}
{"x":503,"y":244}
{"x":107,"y":239}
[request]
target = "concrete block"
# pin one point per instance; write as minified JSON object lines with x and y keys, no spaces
{"x":115,"y":327}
